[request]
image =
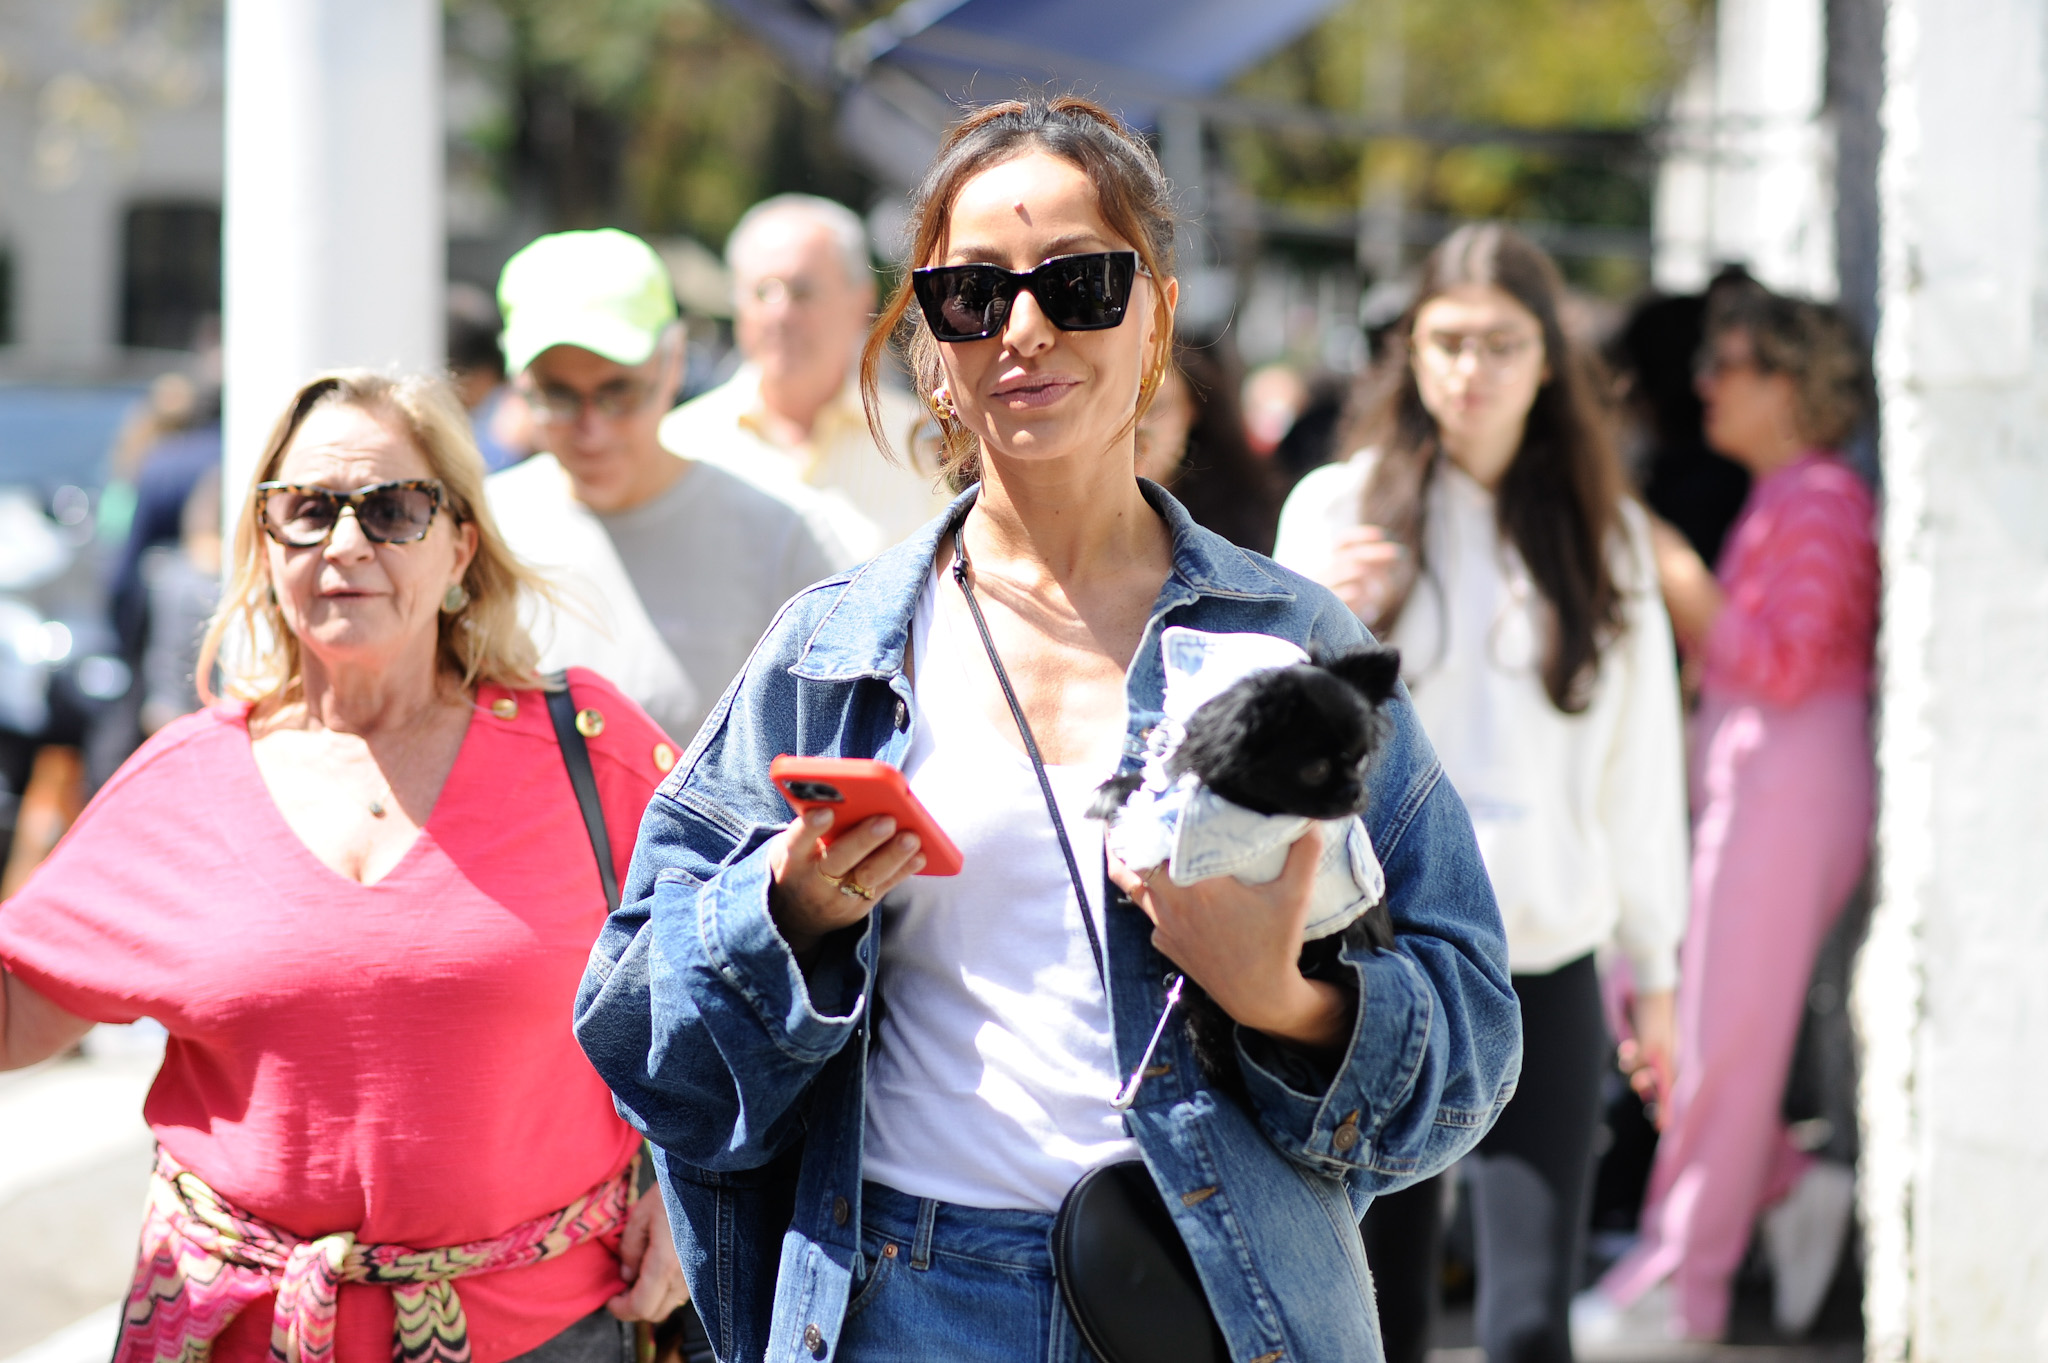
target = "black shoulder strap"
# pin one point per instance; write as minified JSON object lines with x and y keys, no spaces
{"x":576,"y":757}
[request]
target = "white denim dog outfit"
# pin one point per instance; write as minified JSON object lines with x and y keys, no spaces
{"x":1196,"y":832}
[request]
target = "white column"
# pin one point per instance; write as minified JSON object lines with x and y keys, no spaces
{"x":334,"y":250}
{"x":1950,"y":989}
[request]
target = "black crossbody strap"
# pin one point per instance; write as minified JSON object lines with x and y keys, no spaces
{"x":1052,"y":807}
{"x":576,"y":757}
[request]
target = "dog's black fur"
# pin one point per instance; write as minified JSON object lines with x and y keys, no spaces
{"x":1292,"y":740}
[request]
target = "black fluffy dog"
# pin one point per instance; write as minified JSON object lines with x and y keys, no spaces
{"x":1291,"y":740}
{"x":1294,"y":740}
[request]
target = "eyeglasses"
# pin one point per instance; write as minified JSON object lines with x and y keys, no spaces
{"x":796,"y":291}
{"x":1085,"y":292}
{"x":1493,"y":349}
{"x":299,"y":517}
{"x":564,"y":406}
{"x":1713,"y":364}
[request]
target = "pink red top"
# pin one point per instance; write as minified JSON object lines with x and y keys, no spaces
{"x":392,"y":1059}
{"x":1800,"y":573}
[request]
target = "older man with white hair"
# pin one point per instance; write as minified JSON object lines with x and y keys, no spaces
{"x":804,"y":292}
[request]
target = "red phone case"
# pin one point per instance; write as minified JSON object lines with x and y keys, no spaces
{"x":866,"y":788}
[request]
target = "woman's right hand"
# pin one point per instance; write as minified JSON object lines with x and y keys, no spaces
{"x":818,"y":890}
{"x":1363,"y":562}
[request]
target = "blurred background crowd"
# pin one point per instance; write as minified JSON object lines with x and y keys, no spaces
{"x":1665,"y":153}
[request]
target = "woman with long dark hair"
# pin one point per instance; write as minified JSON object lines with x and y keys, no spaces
{"x":872,"y":1091}
{"x":1482,"y":527}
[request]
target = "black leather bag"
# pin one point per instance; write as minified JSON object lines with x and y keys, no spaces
{"x":1124,"y":1272}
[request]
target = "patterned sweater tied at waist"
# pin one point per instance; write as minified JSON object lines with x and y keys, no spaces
{"x":203,"y":1260}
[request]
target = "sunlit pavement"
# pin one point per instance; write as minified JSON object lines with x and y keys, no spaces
{"x":1456,"y":1327}
{"x":74,"y":1168}
{"x":1688,"y":1353}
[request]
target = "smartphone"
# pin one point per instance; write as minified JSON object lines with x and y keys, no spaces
{"x":859,"y":788}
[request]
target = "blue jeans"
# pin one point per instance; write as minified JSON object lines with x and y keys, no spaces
{"x":963,"y":1284}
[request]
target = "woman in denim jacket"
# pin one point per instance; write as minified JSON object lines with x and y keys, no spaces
{"x":865,"y":1121}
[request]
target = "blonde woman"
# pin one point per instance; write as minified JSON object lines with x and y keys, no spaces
{"x":359,"y":894}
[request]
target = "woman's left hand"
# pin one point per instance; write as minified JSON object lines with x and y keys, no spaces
{"x":1648,"y":1057}
{"x":655,"y":1287}
{"x":1242,"y":943}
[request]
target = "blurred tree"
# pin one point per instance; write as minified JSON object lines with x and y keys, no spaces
{"x":660,"y":115}
{"x":1582,"y":64}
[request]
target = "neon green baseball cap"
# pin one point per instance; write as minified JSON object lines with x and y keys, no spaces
{"x":604,"y":291}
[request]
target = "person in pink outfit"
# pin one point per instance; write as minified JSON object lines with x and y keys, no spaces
{"x":1781,"y":638}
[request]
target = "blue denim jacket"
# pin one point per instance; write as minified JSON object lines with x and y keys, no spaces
{"x":748,"y":1073}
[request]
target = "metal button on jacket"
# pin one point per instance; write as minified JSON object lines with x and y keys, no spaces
{"x":814,"y":1340}
{"x":840,"y":1211}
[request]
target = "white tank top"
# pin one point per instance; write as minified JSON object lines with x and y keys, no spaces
{"x":991,"y":1080}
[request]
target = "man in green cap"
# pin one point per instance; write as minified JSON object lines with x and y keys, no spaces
{"x":669,"y":569}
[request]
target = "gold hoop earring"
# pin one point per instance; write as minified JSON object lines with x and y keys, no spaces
{"x":454,"y":599}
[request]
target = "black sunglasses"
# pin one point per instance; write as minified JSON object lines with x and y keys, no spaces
{"x":1086,"y":292}
{"x":299,"y":517}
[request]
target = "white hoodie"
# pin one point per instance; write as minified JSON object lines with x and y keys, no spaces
{"x":1581,"y":818}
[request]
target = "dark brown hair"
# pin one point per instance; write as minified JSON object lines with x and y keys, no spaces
{"x":1223,"y":485}
{"x":1811,"y":343}
{"x":1131,"y":191}
{"x":1558,"y":503}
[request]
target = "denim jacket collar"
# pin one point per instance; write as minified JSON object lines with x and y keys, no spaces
{"x":846,"y":644}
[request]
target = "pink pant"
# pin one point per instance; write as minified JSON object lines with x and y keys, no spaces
{"x":1782,"y":804}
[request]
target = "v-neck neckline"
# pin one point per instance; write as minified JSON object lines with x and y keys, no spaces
{"x":282,"y":827}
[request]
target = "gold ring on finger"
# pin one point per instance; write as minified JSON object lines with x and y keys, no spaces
{"x":853,"y":889}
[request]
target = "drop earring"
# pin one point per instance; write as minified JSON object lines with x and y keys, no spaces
{"x":454,"y":599}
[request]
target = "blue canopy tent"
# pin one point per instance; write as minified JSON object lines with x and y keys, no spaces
{"x":897,"y":81}
{"x":903,"y":77}
{"x":1161,"y":64}
{"x":1138,"y":52}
